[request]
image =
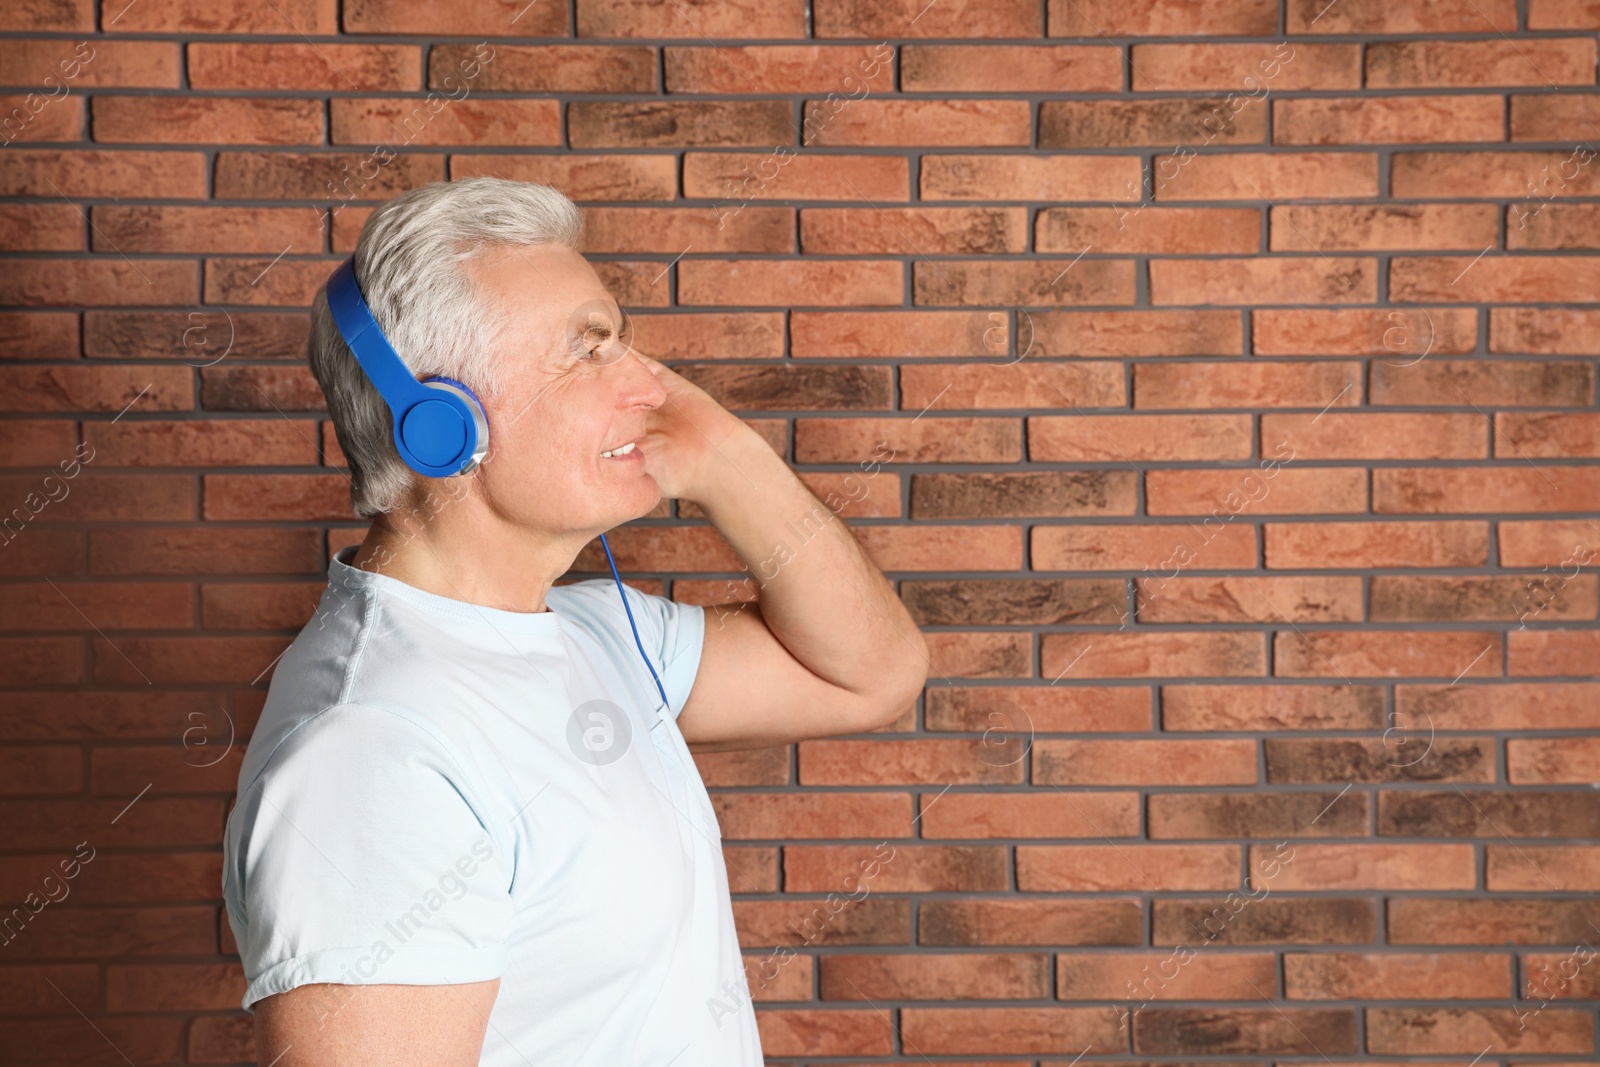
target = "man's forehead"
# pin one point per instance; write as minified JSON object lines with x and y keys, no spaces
{"x":552,"y":288}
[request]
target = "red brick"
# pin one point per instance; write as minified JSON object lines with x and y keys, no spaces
{"x":34,"y":118}
{"x":834,"y":762}
{"x":1189,"y":122}
{"x":1153,"y":655}
{"x":898,"y":869}
{"x":1387,"y":654}
{"x":927,"y":976}
{"x":1531,"y":61}
{"x":1403,"y":335}
{"x":344,"y":175}
{"x":1264,"y":280}
{"x":149,"y":821}
{"x":968,"y":386}
{"x":1149,"y":547}
{"x":1388,"y":120}
{"x":186,"y":660}
{"x":1553,"y":652}
{"x":1376,"y":17}
{"x":1257,"y":384}
{"x":1493,"y":489}
{"x":118,"y":281}
{"x":734,"y":179}
{"x":1352,"y":435}
{"x":1371,"y":866}
{"x":1318,"y":490}
{"x":891,"y":231}
{"x":315,"y":18}
{"x":1388,"y":975}
{"x":1527,"y":178}
{"x":773,"y":282}
{"x":67,"y":1040}
{"x":272,"y":231}
{"x":199,"y":338}
{"x":1030,"y":922}
{"x":947,"y":1031}
{"x":669,"y":230}
{"x":1230,"y":762}
{"x":174,"y":987}
{"x":1531,"y":544}
{"x":798,"y":1032}
{"x":49,"y":15}
{"x":214,"y":120}
{"x":294,"y":65}
{"x":1279,"y":66}
{"x":813,"y":815}
{"x":925,"y":440}
{"x":1266,"y":176}
{"x":617,"y":18}
{"x":101,"y":64}
{"x":209,"y":550}
{"x":1235,"y":976}
{"x":1127,"y":867}
{"x":203,"y":443}
{"x":1107,"y":18}
{"x":1465,"y":1031}
{"x":1376,"y":544}
{"x":656,"y":123}
{"x":1023,"y":283}
{"x":765,"y":68}
{"x":1052,"y":813}
{"x":869,"y":921}
{"x":1458,"y":383}
{"x":42,"y":227}
{"x":83,"y":606}
{"x":27,"y":443}
{"x":907,"y":18}
{"x":1176,"y":1031}
{"x":953,"y":123}
{"x":1159,"y":230}
{"x":467,"y":121}
{"x":474,"y":17}
{"x":1272,"y":707}
{"x":40,"y":771}
{"x":1342,"y":228}
{"x":1130,"y":437}
{"x":1065,"y":176}
{"x":1508,"y":706}
{"x":1244,"y":599}
{"x":1011,"y":68}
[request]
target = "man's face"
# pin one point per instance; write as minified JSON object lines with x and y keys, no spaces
{"x":573,"y":389}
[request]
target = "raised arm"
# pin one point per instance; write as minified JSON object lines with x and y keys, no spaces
{"x":828,"y":648}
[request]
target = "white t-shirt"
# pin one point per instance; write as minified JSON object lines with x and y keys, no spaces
{"x":440,"y":792}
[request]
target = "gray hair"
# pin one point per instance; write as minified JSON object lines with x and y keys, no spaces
{"x":409,"y":264}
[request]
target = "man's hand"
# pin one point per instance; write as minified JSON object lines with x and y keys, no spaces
{"x":684,"y":436}
{"x":374,"y":1025}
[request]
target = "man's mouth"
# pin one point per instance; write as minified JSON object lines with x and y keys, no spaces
{"x":620,"y":450}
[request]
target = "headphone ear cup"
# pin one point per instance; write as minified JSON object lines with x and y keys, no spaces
{"x":451,"y":432}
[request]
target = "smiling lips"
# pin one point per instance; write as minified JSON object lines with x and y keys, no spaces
{"x":620,"y":451}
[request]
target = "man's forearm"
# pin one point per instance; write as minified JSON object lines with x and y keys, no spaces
{"x":819,"y":593}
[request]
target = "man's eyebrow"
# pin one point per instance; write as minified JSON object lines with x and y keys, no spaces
{"x":580,"y":329}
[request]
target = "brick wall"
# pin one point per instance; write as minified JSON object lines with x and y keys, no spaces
{"x":1235,"y":369}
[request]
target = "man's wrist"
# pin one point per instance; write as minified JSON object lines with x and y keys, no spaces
{"x":737,"y":467}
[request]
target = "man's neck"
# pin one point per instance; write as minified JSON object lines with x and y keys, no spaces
{"x":464,"y":553}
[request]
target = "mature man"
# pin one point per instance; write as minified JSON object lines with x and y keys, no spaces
{"x":469,"y":829}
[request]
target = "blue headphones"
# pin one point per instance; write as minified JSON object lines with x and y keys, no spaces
{"x":440,"y":429}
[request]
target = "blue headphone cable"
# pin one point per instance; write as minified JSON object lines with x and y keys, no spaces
{"x":635,"y":629}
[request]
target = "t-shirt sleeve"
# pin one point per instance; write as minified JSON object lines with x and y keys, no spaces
{"x":363,"y":856}
{"x":680,"y":639}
